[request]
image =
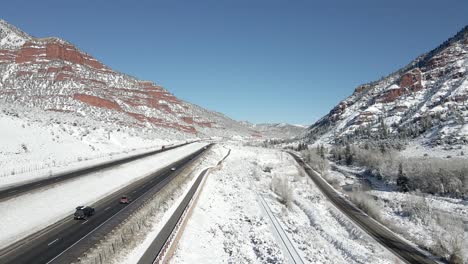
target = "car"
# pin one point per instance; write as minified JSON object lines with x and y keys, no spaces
{"x":124,"y":199}
{"x":173,"y":169}
{"x":83,"y":212}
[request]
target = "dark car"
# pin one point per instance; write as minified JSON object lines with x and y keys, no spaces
{"x":83,"y":212}
{"x":124,"y":199}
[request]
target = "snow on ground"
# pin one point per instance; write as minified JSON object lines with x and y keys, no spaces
{"x":8,"y":180}
{"x":51,"y":204}
{"x":131,"y":256}
{"x":427,"y":220}
{"x":30,"y":148}
{"x":418,"y":149}
{"x":227,"y":226}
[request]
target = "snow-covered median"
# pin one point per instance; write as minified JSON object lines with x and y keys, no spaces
{"x":227,"y":226}
{"x":9,"y":180}
{"x":49,"y":205}
{"x":167,"y":201}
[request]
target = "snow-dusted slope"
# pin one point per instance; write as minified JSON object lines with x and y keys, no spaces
{"x":427,"y":99}
{"x":11,"y":37}
{"x":277,"y":130}
{"x":53,"y":75}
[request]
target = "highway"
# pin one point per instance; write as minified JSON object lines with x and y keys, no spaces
{"x":68,"y":239}
{"x":27,"y":187}
{"x":388,"y":239}
{"x":161,"y":240}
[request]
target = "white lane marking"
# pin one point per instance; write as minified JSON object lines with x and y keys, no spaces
{"x":50,"y":261}
{"x":13,"y":191}
{"x":107,"y":208}
{"x":134,"y":191}
{"x":84,"y":222}
{"x":52,"y":242}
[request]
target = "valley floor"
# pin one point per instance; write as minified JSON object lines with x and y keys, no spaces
{"x":439,"y":224}
{"x":229,"y":226}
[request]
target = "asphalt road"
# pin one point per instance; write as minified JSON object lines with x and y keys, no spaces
{"x":24,"y":188}
{"x":66,"y":240}
{"x":153,"y":251}
{"x":405,"y":251}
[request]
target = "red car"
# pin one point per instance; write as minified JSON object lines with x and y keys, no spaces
{"x":124,"y":200}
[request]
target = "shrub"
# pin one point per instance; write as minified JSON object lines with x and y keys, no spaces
{"x":366,"y":203}
{"x":316,"y":162}
{"x":332,"y":181}
{"x":280,"y":186}
{"x":450,"y":239}
{"x":417,"y":208}
{"x":448,"y":177}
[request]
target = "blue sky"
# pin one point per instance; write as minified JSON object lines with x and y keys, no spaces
{"x":261,"y":61}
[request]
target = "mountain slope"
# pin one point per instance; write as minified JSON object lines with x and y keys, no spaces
{"x":277,"y":130}
{"x":425,"y":101}
{"x":53,"y":75}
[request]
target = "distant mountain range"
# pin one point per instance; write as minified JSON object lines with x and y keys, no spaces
{"x":427,"y":100}
{"x":277,"y":130}
{"x":53,"y":75}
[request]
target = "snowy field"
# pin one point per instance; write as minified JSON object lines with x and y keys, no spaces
{"x":49,"y":205}
{"x":228,"y":225}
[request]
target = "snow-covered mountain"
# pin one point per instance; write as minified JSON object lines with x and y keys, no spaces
{"x":277,"y":130}
{"x":53,"y":75}
{"x":425,"y":101}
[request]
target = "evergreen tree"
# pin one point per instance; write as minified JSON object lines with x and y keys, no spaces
{"x":402,"y":180}
{"x":383,"y":129}
{"x":348,"y":155}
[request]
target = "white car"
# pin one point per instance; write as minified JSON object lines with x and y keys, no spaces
{"x":173,"y":169}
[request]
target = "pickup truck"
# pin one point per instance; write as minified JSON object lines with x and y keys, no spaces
{"x":83,"y":212}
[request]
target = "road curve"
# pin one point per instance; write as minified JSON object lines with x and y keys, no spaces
{"x":27,"y":187}
{"x":68,"y":239}
{"x":401,"y":248}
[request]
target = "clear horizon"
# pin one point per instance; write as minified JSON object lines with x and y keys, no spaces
{"x":256,"y":61}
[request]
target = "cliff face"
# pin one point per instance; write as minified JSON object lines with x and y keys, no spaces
{"x":53,"y":75}
{"x":427,"y":99}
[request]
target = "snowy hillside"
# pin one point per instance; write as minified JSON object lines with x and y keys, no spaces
{"x":53,"y":75}
{"x":277,"y":130}
{"x":426,"y":100}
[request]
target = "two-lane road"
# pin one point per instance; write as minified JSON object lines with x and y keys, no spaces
{"x":401,"y":248}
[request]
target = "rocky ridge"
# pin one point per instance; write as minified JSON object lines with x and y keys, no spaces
{"x":53,"y":75}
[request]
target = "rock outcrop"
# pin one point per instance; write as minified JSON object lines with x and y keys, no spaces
{"x":53,"y":75}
